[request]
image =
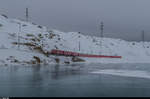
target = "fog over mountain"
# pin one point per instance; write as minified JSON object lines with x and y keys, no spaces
{"x":122,"y":18}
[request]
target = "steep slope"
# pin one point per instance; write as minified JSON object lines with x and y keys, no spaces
{"x":28,"y":43}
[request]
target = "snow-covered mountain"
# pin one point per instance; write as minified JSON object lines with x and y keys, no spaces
{"x":35,"y":41}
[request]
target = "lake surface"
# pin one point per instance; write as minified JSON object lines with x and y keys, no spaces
{"x":92,"y":80}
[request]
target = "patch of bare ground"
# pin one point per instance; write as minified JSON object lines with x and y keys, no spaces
{"x":33,"y":47}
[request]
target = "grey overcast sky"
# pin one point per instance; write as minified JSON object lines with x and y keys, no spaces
{"x":122,"y":18}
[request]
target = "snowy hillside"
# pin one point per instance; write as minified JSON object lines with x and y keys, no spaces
{"x":35,"y":41}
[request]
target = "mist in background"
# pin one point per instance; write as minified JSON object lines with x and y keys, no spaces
{"x":122,"y":18}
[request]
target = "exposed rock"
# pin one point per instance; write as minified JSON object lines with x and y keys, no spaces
{"x":76,"y":59}
{"x":57,"y":60}
{"x":37,"y":59}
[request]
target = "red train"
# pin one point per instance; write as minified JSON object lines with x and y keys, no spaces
{"x":69,"y":53}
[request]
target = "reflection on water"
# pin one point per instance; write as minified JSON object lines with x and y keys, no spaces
{"x":74,"y":80}
{"x":58,"y":72}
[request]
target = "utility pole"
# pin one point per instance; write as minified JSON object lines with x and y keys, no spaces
{"x":101,"y":34}
{"x":79,"y":46}
{"x":27,"y":14}
{"x":102,"y":29}
{"x":79,"y":42}
{"x":143,"y":37}
{"x":19,"y":35}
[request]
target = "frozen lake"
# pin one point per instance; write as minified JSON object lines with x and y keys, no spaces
{"x":92,"y":80}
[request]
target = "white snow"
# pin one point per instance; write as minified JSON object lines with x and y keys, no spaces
{"x":124,"y":73}
{"x":47,"y":39}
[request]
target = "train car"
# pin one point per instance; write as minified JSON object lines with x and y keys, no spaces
{"x":53,"y":52}
{"x":69,"y":53}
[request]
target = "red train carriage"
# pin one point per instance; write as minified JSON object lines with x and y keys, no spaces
{"x":69,"y":53}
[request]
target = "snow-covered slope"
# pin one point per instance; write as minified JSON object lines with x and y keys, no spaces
{"x":35,"y":41}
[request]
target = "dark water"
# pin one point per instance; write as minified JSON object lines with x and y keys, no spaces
{"x":72,"y":80}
